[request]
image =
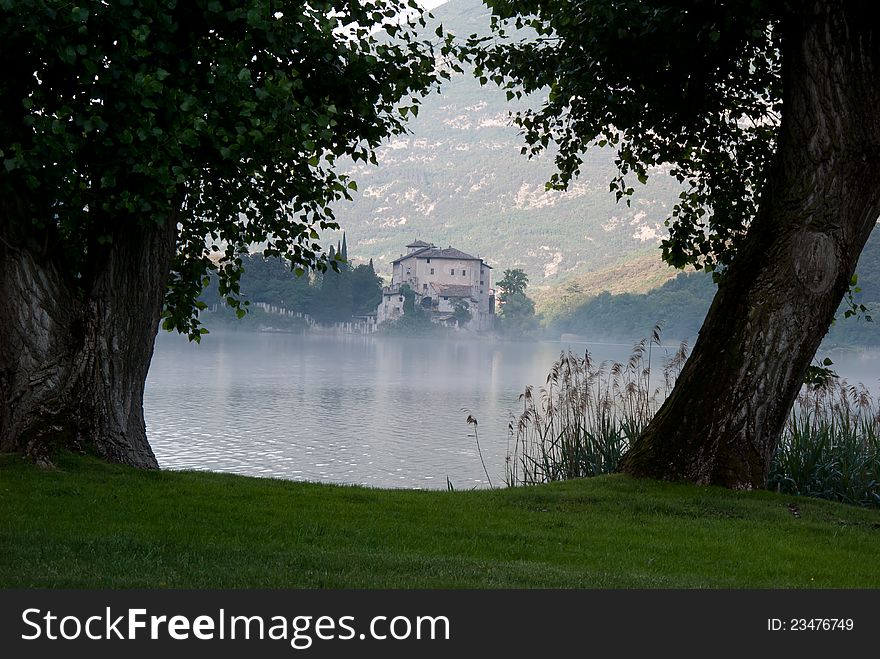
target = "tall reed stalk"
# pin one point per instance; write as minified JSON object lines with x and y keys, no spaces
{"x":831,"y":446}
{"x":587,"y":415}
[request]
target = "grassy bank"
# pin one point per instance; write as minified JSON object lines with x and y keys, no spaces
{"x":90,"y":524}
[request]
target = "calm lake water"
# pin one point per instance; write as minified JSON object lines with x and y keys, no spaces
{"x":375,"y":411}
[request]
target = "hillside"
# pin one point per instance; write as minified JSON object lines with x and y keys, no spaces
{"x":600,"y":311}
{"x":459,"y":179}
{"x":637,"y":273}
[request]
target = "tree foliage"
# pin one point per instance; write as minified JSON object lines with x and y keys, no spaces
{"x":691,"y":85}
{"x":517,"y":313}
{"x":517,"y":317}
{"x":409,"y":300}
{"x":514,"y":282}
{"x":461,"y":312}
{"x":346,"y":293}
{"x":366,"y":289}
{"x":331,"y":296}
{"x":226,"y":118}
{"x":765,"y":113}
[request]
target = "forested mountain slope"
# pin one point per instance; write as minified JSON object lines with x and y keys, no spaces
{"x":681,"y":304}
{"x":459,"y":179}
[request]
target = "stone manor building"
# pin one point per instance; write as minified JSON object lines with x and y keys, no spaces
{"x":440,"y":278}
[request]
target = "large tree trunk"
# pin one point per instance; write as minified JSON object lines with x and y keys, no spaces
{"x":724,"y":417}
{"x":74,"y":351}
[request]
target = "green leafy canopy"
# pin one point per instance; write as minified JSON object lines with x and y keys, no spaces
{"x":514,"y":282}
{"x":224,"y":117}
{"x":693,"y":86}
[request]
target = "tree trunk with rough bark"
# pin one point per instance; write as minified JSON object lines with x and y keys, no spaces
{"x":74,"y":351}
{"x":726,"y":413}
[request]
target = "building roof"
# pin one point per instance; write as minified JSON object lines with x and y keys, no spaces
{"x":431,"y":252}
{"x":453,"y":290}
{"x":404,"y":257}
{"x":448,"y":253}
{"x":420,"y":243}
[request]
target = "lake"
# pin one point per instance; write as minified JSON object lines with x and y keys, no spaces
{"x":367,"y":410}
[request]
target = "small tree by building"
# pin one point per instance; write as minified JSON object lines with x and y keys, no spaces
{"x":514,"y":282}
{"x":517,"y":313}
{"x":462,"y":312}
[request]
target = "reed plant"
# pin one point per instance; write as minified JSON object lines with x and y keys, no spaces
{"x":830,"y":448}
{"x":588,"y":414}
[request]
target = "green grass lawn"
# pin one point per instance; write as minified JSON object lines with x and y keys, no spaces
{"x":90,"y":524}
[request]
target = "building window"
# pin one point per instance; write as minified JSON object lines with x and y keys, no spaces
{"x":462,"y":273}
{"x":429,"y":260}
{"x":481,"y":291}
{"x":481,"y":282}
{"x":445,"y":297}
{"x":400,"y":299}
{"x":407,"y":271}
{"x":452,"y":271}
{"x":432,"y":271}
{"x":424,"y":286}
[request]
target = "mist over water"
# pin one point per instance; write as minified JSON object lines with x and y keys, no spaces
{"x":378,"y":411}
